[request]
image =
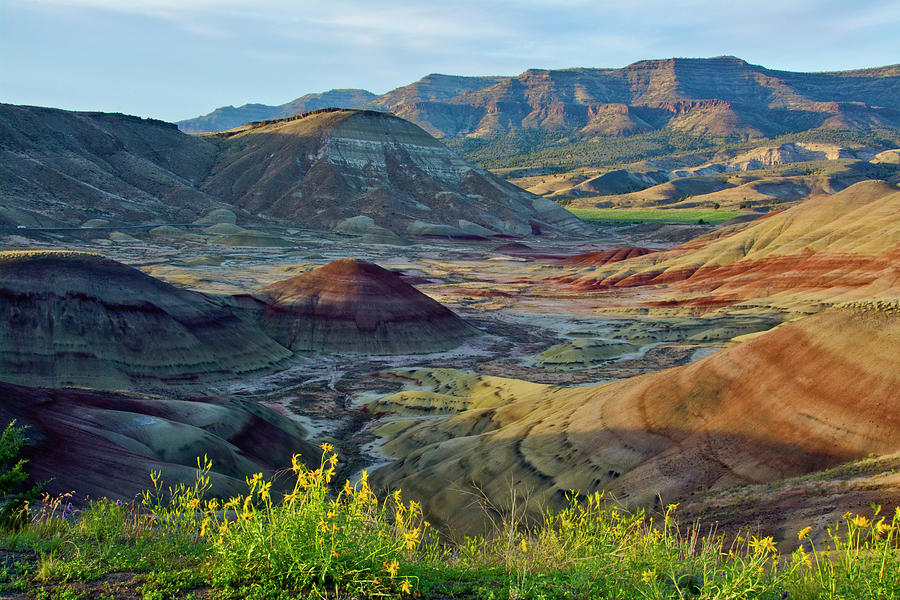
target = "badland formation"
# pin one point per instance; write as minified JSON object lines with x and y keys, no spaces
{"x":169,"y":291}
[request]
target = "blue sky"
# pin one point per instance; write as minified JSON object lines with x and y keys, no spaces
{"x":175,"y":59}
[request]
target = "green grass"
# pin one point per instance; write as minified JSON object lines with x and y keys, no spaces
{"x":342,"y":542}
{"x":621,"y":216}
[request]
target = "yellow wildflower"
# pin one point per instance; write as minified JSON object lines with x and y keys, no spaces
{"x":412,"y":539}
{"x":326,"y":447}
{"x":804,"y":557}
{"x":648,"y":575}
{"x":406,"y":588}
{"x":524,"y":546}
{"x":804,"y":532}
{"x":763,"y":545}
{"x":392,"y":567}
{"x":860,"y":521}
{"x":881,"y":528}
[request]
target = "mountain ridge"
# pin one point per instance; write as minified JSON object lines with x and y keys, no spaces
{"x":226,"y":117}
{"x":694,"y":95}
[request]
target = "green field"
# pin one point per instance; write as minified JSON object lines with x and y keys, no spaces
{"x":622,"y":216}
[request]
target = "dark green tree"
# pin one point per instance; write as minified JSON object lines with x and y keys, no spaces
{"x":13,"y":493}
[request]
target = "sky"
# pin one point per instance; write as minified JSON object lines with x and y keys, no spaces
{"x":177,"y":59}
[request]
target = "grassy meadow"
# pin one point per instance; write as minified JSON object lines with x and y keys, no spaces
{"x":323,"y":540}
{"x":625,"y":216}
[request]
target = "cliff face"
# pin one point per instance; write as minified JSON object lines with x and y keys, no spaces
{"x":325,"y":168}
{"x":722,"y":96}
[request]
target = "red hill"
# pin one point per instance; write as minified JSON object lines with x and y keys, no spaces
{"x":354,"y":306}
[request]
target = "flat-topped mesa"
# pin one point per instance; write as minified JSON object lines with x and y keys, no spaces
{"x":77,"y":319}
{"x":356,"y":307}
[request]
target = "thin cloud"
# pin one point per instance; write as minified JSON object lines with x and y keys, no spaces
{"x":227,"y":51}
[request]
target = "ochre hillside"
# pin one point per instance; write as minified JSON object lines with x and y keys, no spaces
{"x":353,"y":306}
{"x":829,"y":248}
{"x":803,"y":397}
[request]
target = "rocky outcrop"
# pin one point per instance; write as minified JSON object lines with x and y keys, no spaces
{"x":350,"y":306}
{"x":72,"y":319}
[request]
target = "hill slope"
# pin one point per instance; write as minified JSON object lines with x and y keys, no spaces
{"x":63,"y":167}
{"x":73,"y":319}
{"x":353,"y":306}
{"x":326,"y":167}
{"x":826,"y":249}
{"x":800,"y":398}
{"x":107,"y":443}
{"x":60,"y":168}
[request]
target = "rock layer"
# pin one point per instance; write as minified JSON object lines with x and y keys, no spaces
{"x":73,"y":319}
{"x":61,"y":168}
{"x":356,"y":307}
{"x":827,"y":249}
{"x":324,"y":168}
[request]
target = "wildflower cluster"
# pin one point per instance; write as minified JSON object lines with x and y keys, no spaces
{"x":319,"y":540}
{"x":312,"y":539}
